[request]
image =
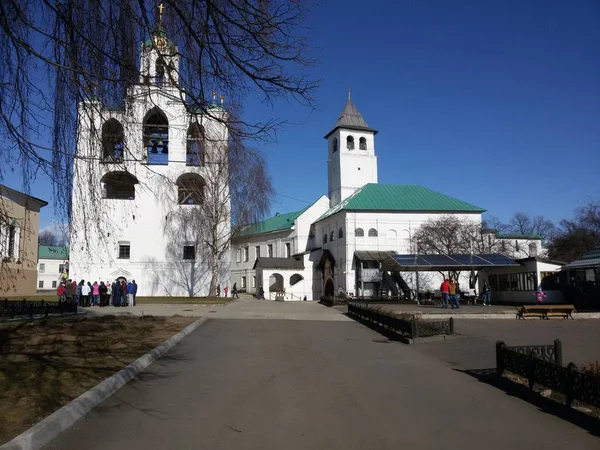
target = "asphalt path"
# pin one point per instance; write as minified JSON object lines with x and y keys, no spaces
{"x":308,"y":384}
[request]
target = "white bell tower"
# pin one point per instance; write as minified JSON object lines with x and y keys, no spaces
{"x":351,"y":161}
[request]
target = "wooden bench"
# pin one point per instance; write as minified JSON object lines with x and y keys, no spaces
{"x":545,"y":311}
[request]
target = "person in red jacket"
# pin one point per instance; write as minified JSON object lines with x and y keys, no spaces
{"x":60,"y":291}
{"x":124,"y":293}
{"x":445,"y":290}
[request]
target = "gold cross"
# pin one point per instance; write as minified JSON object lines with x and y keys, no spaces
{"x":160,"y":12}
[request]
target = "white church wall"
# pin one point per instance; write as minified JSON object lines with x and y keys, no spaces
{"x":305,"y":220}
{"x":151,"y":223}
{"x":240,"y":267}
{"x":394,"y":232}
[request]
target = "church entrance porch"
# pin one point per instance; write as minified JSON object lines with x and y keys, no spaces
{"x":282,"y":279}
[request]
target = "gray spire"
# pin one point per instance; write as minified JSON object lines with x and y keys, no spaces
{"x":351,"y":119}
{"x":350,"y":116}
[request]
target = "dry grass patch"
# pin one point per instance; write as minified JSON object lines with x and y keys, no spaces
{"x":44,"y":365}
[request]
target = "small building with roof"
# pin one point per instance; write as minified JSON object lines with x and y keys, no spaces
{"x":53,"y":264}
{"x":334,"y":240}
{"x":19,"y":230}
{"x":581,"y":281}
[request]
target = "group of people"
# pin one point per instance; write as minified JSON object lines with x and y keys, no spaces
{"x":451,"y":294}
{"x":118,"y":293}
{"x":450,"y":290}
{"x":234,"y":291}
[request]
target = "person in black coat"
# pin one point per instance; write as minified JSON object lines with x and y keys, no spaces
{"x":116,"y":291}
{"x":103,"y":297}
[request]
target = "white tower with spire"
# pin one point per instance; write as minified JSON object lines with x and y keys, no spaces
{"x":351,"y":161}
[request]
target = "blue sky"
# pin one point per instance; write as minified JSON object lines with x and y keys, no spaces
{"x":494,"y":102}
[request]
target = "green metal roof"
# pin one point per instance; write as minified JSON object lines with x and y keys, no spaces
{"x":51,"y":252}
{"x":400,"y":197}
{"x":276,"y":223}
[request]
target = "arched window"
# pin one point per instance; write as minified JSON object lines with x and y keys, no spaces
{"x":341,"y":233}
{"x":359,"y":232}
{"x":160,"y":72}
{"x":372,"y":232}
{"x":112,"y":141}
{"x":156,"y":137}
{"x":325,"y":238}
{"x":334,"y":145}
{"x":195,"y":145}
{"x":190,"y":189}
{"x":118,"y":185}
{"x":332,"y":236}
{"x":350,"y":142}
{"x":392,"y":236}
{"x":532,"y":249}
{"x":296,"y":278}
{"x":362,"y":143}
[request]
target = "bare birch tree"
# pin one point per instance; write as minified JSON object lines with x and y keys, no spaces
{"x":58,"y":54}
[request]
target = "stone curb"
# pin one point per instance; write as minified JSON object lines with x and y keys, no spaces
{"x":46,"y":430}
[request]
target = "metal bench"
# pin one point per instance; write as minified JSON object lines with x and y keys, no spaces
{"x":545,"y":311}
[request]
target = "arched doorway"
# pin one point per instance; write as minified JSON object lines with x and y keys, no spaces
{"x":276,"y":282}
{"x":329,"y":288}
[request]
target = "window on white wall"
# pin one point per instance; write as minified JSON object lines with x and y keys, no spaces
{"x":362,"y":143}
{"x":270,"y":250}
{"x":341,"y":233}
{"x":257,"y":250}
{"x":533,"y":249}
{"x":359,"y":232}
{"x":54,"y":284}
{"x":350,"y":142}
{"x":42,"y":268}
{"x":238,"y":255}
{"x":372,"y":232}
{"x":325,"y":238}
{"x":40,"y":285}
{"x":392,"y":236}
{"x":61,"y":268}
{"x":243,"y":282}
{"x":124,"y":251}
{"x":254,"y":281}
{"x":288,"y":249}
{"x":246,"y":254}
{"x":189,"y":252}
{"x":332,"y":236}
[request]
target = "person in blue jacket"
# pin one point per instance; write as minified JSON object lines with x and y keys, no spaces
{"x":130,"y":293}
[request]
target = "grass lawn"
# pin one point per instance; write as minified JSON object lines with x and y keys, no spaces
{"x":46,"y":364}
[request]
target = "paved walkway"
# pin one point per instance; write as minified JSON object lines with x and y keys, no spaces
{"x":245,"y":308}
{"x":317,"y":381}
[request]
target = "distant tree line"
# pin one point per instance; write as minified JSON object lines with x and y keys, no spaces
{"x":565,"y":241}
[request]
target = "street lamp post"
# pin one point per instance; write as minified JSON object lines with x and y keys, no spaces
{"x":417,"y":270}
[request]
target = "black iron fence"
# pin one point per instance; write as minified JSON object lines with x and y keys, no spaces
{"x":411,"y":327}
{"x":22,"y":308}
{"x":542,"y":365}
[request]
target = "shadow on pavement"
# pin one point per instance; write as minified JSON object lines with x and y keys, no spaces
{"x":546,"y":405}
